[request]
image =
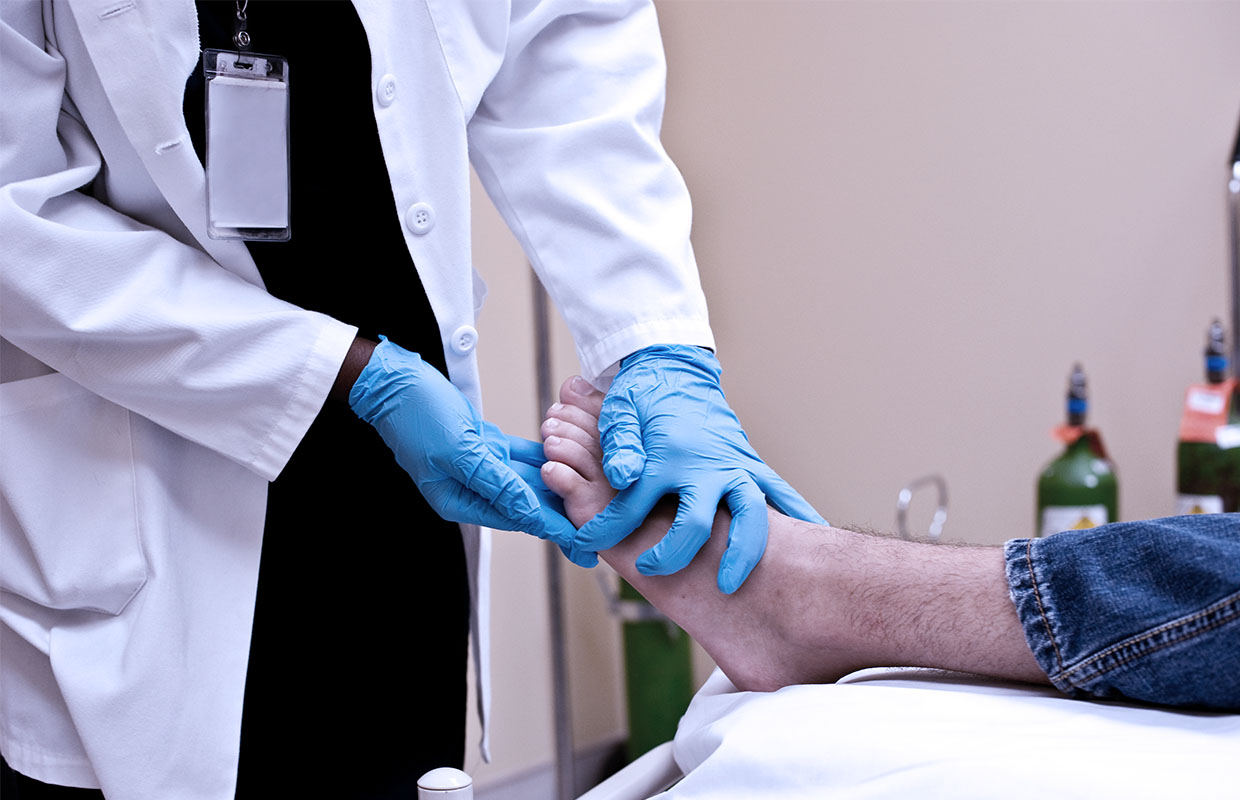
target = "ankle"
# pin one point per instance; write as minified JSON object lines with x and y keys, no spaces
{"x":834,"y":624}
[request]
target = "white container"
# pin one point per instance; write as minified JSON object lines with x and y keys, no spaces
{"x":445,"y":783}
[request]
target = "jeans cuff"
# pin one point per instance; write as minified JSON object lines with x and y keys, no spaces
{"x":1146,"y":610}
{"x":1035,"y":607}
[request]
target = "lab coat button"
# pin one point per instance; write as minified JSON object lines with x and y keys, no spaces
{"x":385,"y":93}
{"x":464,"y":340}
{"x":420,"y":218}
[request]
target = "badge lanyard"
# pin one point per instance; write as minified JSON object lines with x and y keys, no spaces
{"x":247,"y":140}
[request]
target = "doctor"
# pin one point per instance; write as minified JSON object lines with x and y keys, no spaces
{"x":155,"y":381}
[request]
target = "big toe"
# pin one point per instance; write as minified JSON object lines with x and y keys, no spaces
{"x":577,"y":391}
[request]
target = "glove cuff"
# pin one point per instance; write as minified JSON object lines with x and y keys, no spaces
{"x":692,"y":355}
{"x":389,"y":368}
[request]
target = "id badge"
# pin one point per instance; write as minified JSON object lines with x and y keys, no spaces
{"x":247,"y":146}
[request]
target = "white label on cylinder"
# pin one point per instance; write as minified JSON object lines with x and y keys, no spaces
{"x":1056,"y":519}
{"x":1198,"y":504}
{"x":1206,"y":402}
{"x":1227,"y":436}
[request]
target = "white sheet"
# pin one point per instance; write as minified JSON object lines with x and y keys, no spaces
{"x":925,"y":734}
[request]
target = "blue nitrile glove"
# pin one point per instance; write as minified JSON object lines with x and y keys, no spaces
{"x":437,"y":437}
{"x":526,"y":459}
{"x":666,"y":428}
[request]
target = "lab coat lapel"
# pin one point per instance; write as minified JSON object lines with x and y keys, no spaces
{"x":143,"y":52}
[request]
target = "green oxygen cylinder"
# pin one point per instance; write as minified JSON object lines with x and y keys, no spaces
{"x":1208,"y":453}
{"x":658,"y":672}
{"x":1078,"y":489}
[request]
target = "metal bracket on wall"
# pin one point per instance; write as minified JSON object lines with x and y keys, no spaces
{"x":905,"y":499}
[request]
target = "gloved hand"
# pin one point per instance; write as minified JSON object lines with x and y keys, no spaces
{"x":438,"y":437}
{"x":526,"y":459}
{"x":666,"y":428}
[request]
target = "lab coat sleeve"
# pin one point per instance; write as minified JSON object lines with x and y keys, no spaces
{"x":131,"y":312}
{"x":566,"y":141}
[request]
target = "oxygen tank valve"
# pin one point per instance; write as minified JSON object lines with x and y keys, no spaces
{"x":1078,"y":397}
{"x":1216,"y":353}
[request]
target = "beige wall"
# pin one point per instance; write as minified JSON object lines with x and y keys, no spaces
{"x":911,"y":218}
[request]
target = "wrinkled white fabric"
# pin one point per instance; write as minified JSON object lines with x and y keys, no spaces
{"x":930,"y":734}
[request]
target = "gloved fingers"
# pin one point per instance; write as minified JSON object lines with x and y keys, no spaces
{"x":621,"y":517}
{"x":512,"y":448}
{"x":494,"y":483}
{"x":620,"y":431}
{"x":533,"y":476}
{"x":747,"y":534}
{"x":554,"y":523}
{"x":525,"y":451}
{"x":578,"y":393}
{"x":525,"y":458}
{"x":497,"y":440}
{"x":580,"y":558}
{"x":788,"y":500}
{"x":690,"y":530}
{"x":558,"y":530}
{"x":455,"y":503}
{"x":575,"y":424}
{"x":566,"y":480}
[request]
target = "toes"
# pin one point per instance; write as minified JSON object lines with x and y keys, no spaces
{"x":572,"y":423}
{"x":577,"y":392}
{"x":562,"y":479}
{"x":576,"y":455}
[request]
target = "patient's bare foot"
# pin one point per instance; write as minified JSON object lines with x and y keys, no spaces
{"x":823,"y":601}
{"x":747,"y":633}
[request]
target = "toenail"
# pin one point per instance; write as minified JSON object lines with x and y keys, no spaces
{"x":552,"y":424}
{"x":580,"y":385}
{"x":552,"y":440}
{"x":557,"y":406}
{"x":549,"y":467}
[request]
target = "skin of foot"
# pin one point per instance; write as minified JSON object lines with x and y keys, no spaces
{"x":821,"y":603}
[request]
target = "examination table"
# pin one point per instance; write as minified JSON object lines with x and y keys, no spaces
{"x":915,"y":733}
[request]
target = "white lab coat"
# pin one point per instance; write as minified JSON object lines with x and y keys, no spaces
{"x":150,"y":387}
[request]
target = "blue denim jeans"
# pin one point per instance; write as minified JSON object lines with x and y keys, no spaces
{"x":1142,"y":610}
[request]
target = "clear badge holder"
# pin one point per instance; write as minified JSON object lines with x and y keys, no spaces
{"x":247,"y":146}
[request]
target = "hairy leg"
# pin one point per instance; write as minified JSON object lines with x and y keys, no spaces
{"x":822,"y":602}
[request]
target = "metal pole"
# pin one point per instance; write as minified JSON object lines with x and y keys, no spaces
{"x":565,"y":788}
{"x":1233,"y":196}
{"x":1233,"y":209}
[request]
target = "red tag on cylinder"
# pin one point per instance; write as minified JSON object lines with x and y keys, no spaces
{"x":1206,"y":406}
